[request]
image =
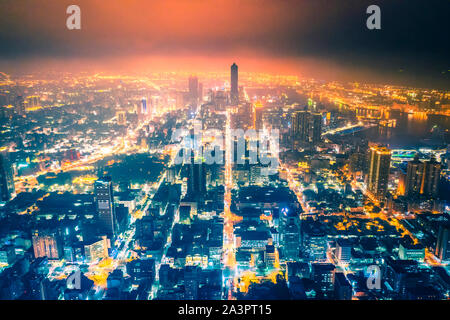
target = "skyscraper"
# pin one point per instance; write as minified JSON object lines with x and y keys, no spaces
{"x":300,"y":125}
{"x":378,"y":175}
{"x":105,"y":206}
{"x":306,"y":126}
{"x":20,"y":105}
{"x":342,"y":288}
{"x":193,"y":90}
{"x":414,"y":177}
{"x":197,"y":178}
{"x":431,"y":178}
{"x":191,"y":282}
{"x":443,"y":242}
{"x":258,"y":118}
{"x":315,"y":129}
{"x":143,"y":109}
{"x":291,"y":239}
{"x":6,"y":178}
{"x":422,"y":178}
{"x":234,"y":92}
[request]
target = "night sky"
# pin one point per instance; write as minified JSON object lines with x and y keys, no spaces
{"x":322,"y":38}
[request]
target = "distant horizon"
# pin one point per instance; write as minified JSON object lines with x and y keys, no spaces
{"x":293,"y":37}
{"x":195,"y":65}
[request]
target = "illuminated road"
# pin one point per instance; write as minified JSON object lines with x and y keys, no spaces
{"x":229,"y":258}
{"x":155,"y":286}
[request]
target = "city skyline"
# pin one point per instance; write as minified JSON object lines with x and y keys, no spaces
{"x":224,"y":151}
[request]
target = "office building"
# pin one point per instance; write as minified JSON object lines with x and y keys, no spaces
{"x":315,"y":130}
{"x":443,"y":242}
{"x":323,"y":276}
{"x":270,"y":256}
{"x":97,"y":250}
{"x":343,"y":250}
{"x":191,"y":282}
{"x":47,"y":244}
{"x":414,"y":177}
{"x":342,"y":288}
{"x":193,"y":90}
{"x":379,"y":166}
{"x":291,"y":240}
{"x":234,"y":91}
{"x":431,"y":178}
{"x":197,"y":178}
{"x":6,"y":178}
{"x":104,"y":199}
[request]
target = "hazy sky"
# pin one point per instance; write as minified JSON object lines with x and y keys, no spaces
{"x":321,"y":38}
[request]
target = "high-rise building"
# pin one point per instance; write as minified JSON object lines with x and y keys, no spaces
{"x":323,"y":276}
{"x":47,"y":244}
{"x":431,"y":178}
{"x":422,"y":178}
{"x":343,"y":250}
{"x":34,"y":101}
{"x":20,"y":105}
{"x":143,"y":109}
{"x":105,"y":206}
{"x":414,"y":177}
{"x":443,"y":243}
{"x":234,"y":91}
{"x":306,"y":127}
{"x":291,"y":239}
{"x":315,"y":129}
{"x":379,"y":166}
{"x":144,"y":231}
{"x":191,"y":282}
{"x":300,"y":126}
{"x":6,"y":178}
{"x":342,"y":287}
{"x":317,"y":244}
{"x":197,"y":178}
{"x":258,"y":117}
{"x":270,"y":256}
{"x":97,"y":250}
{"x":193,"y":90}
{"x":358,"y":161}
{"x":141,"y":270}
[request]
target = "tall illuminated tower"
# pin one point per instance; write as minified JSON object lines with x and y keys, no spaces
{"x":234,"y":92}
{"x":105,"y":206}
{"x":378,"y":175}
